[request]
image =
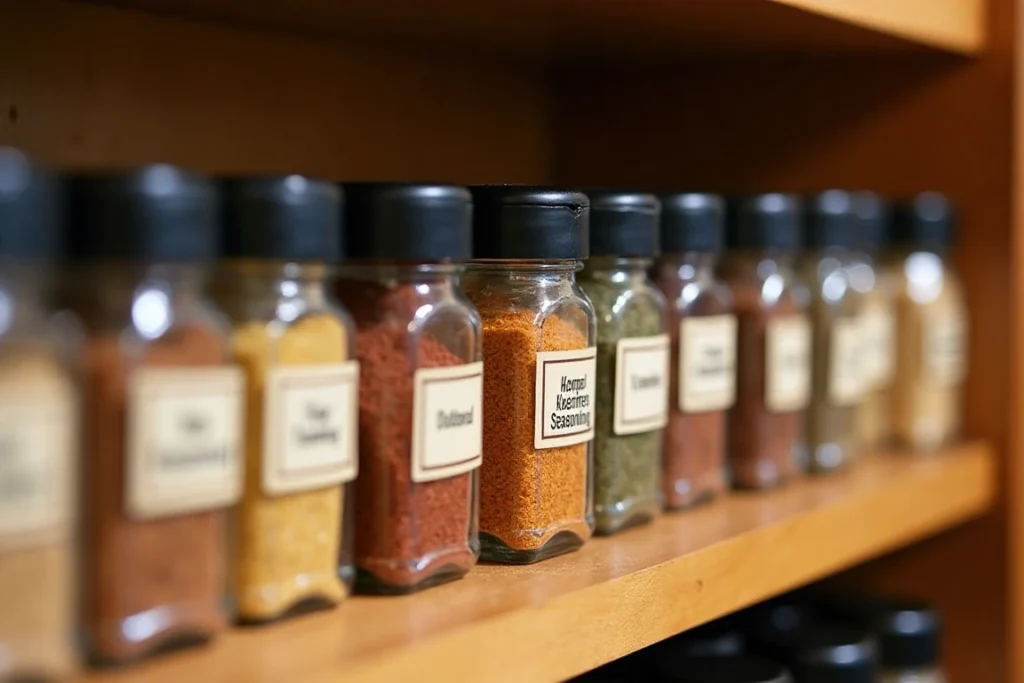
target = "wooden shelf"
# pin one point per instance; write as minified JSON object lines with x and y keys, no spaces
{"x":614,"y":29}
{"x":556,"y":619}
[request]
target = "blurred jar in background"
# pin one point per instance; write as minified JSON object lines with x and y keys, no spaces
{"x":38,"y":433}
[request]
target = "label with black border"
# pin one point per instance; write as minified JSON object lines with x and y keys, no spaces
{"x":447,"y":421}
{"x":641,"y":384}
{"x":564,"y":414}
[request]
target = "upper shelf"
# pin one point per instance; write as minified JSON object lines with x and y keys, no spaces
{"x":559,"y":618}
{"x":543,"y":30}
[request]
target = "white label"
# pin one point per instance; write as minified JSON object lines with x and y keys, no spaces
{"x":447,"y":421}
{"x":641,"y":384}
{"x":565,"y":398}
{"x":878,"y":330}
{"x":846,"y":377}
{"x":310,"y":419}
{"x":945,"y":346}
{"x":707,"y":363}
{"x":787,"y":363}
{"x":37,"y":450}
{"x":184,"y":440}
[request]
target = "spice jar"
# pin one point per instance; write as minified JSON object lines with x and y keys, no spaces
{"x":931,"y":315}
{"x":833,"y":653}
{"x":632,"y":359}
{"x":38,"y":433}
{"x":703,"y":331}
{"x":773,"y":357}
{"x":421,"y":384}
{"x":536,"y":479}
{"x":876,"y":284}
{"x":291,"y":536}
{"x":162,"y":413}
{"x":836,"y":307}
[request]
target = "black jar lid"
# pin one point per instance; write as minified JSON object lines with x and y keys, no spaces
{"x":623,"y":223}
{"x":909,"y":632}
{"x":156,"y":213}
{"x":872,"y":212}
{"x":281,"y":217}
{"x":692,"y":221}
{"x":407,"y":221}
{"x":835,"y":653}
{"x":741,"y":669}
{"x":829,"y":220}
{"x":765,"y":221}
{"x":31,"y":208}
{"x":926,"y":221}
{"x":527,"y":222}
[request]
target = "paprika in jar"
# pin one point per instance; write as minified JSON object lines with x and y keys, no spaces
{"x":38,"y":433}
{"x":162,"y":413}
{"x":536,"y":482}
{"x":632,"y":359}
{"x":703,"y":331}
{"x":773,"y":353}
{"x":421,"y":384}
{"x":291,"y":533}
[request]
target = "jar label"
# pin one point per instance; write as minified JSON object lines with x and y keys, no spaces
{"x":787,"y":363}
{"x":564,"y":413}
{"x":310,"y":418}
{"x":846,"y":377}
{"x":945,"y":346}
{"x":37,"y":461}
{"x":641,"y":384}
{"x":878,"y":330}
{"x":184,"y":440}
{"x":448,"y":421}
{"x":707,"y":363}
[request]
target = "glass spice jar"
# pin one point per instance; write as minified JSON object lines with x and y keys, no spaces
{"x":162,"y":413}
{"x":836,"y":307}
{"x":421,"y":384}
{"x":773,"y":357}
{"x":38,"y":433}
{"x":833,"y":653}
{"x":703,"y":331}
{"x":292,"y":537}
{"x":632,"y":359}
{"x":536,"y":498}
{"x":927,"y":394}
{"x":876,"y":284}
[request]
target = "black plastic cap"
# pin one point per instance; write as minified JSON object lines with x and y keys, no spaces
{"x":829,"y":220}
{"x":152,"y":213}
{"x":623,"y":223}
{"x":723,"y":670}
{"x":534,"y":223}
{"x":692,"y":221}
{"x":765,"y":221}
{"x":829,"y":653}
{"x":909,"y":635}
{"x":31,"y":209}
{"x":288,"y":217}
{"x":407,"y":222}
{"x":872,"y":215}
{"x":925,"y":222}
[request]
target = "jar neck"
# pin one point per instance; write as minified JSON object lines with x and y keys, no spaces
{"x":281,"y":280}
{"x":552,"y":271}
{"x":396,"y":272}
{"x":689,"y":265}
{"x":118,"y":287}
{"x":616,"y":269}
{"x":763,"y":260}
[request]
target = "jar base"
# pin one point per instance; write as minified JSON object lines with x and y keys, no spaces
{"x":696,"y":500}
{"x":493,"y":549}
{"x":607,"y":525}
{"x":307,"y":605}
{"x":368,"y":583}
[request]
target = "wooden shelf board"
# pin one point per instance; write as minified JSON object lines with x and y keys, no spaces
{"x":558,"y":618}
{"x":614,"y":29}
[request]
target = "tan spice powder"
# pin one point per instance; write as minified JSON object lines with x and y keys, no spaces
{"x":526,"y":496}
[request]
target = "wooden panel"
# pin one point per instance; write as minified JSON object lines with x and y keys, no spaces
{"x":85,"y":85}
{"x":615,"y":29}
{"x":896,"y":125}
{"x":549,"y":621}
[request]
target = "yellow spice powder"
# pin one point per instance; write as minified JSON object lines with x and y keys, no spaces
{"x":287,"y":545}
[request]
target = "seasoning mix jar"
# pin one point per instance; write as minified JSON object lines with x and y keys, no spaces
{"x":931,"y":363}
{"x":876,"y":283}
{"x":910,"y":643}
{"x":632,"y":359}
{"x":38,"y":433}
{"x":539,"y":388}
{"x":421,"y":384}
{"x":292,"y":536}
{"x":830,"y":236}
{"x":773,"y":358}
{"x":162,"y":413}
{"x":703,"y":352}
